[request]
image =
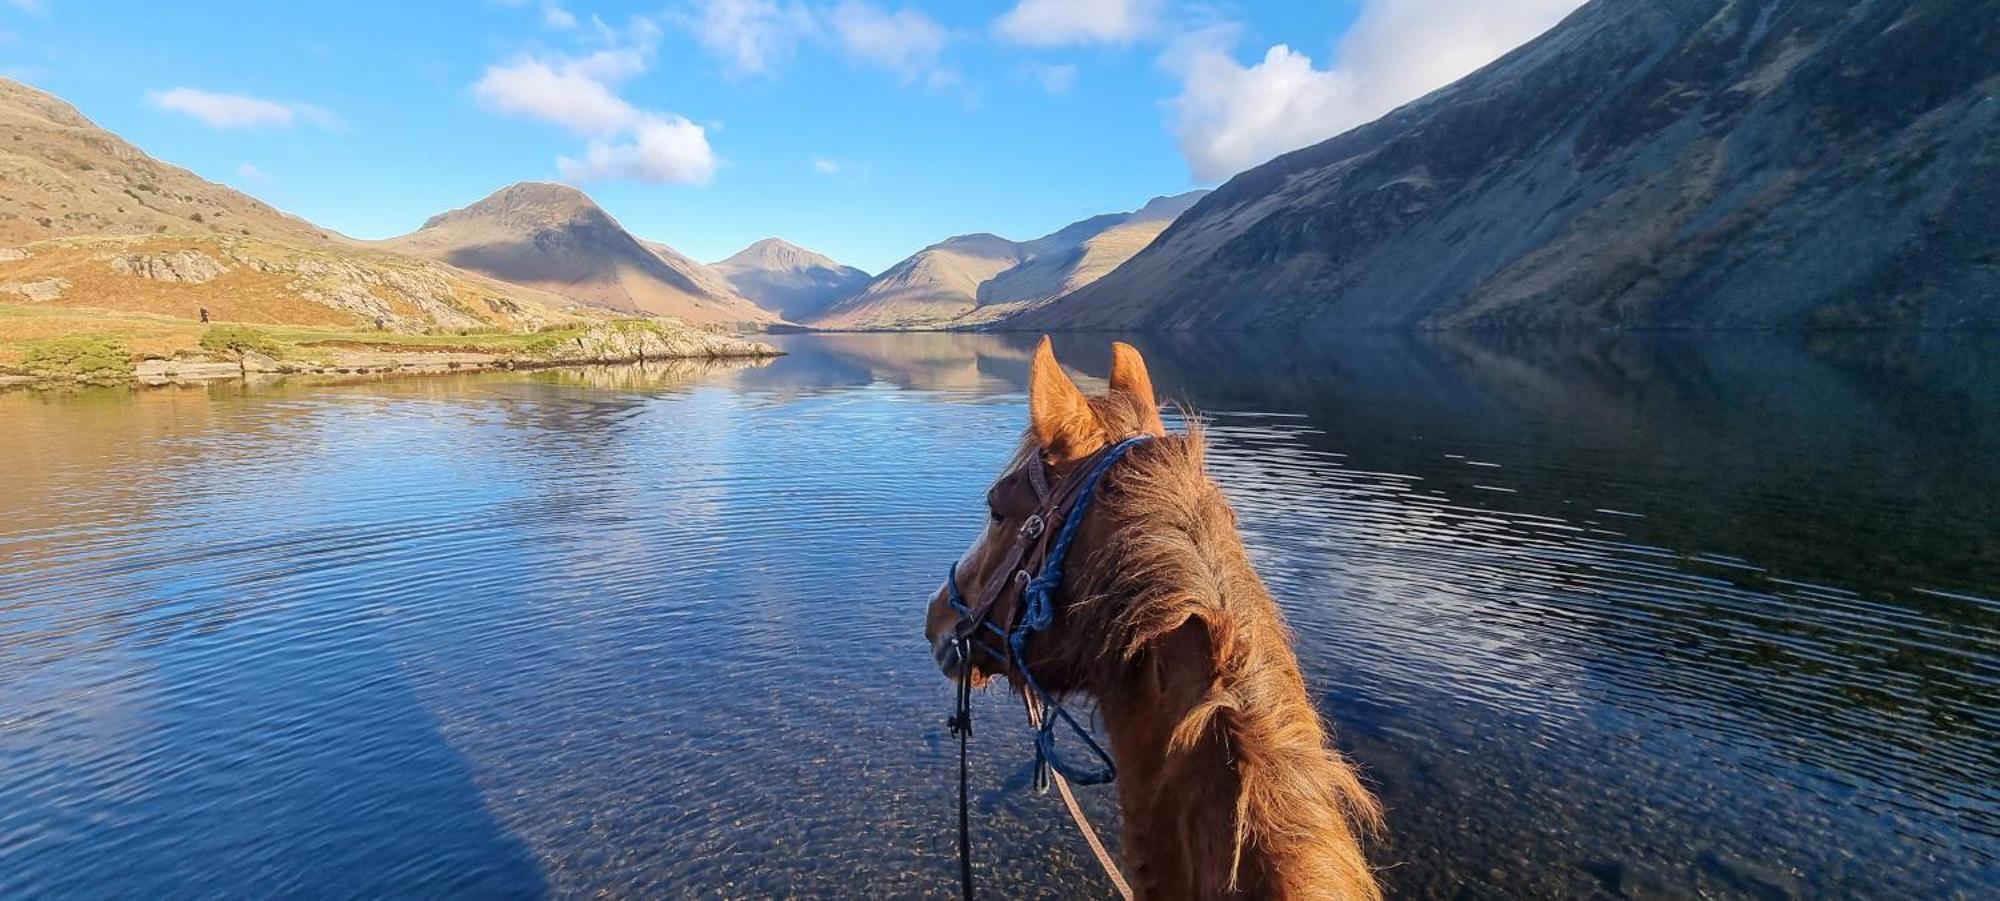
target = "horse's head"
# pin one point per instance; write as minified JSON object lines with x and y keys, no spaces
{"x":1024,"y":509}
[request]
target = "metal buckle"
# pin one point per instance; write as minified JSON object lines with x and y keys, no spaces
{"x":1032,"y":529}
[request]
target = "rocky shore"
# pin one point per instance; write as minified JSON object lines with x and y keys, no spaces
{"x":620,"y":341}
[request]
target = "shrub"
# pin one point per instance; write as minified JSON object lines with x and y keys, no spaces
{"x":237,"y":340}
{"x":547,"y":344}
{"x":78,"y":359}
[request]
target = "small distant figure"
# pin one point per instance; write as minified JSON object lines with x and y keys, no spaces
{"x":379,"y":324}
{"x":204,"y":315}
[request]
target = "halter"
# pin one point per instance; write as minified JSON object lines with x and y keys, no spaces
{"x":1037,"y":567}
{"x":1036,"y":611}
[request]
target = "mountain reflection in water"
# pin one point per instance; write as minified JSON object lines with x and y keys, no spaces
{"x":1599,"y":615}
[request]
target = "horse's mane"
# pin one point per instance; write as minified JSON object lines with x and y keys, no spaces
{"x":1175,"y":558}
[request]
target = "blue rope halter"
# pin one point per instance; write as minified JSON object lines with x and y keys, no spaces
{"x":1037,"y":614}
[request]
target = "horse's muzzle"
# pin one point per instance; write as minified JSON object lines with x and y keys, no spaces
{"x":945,"y":650}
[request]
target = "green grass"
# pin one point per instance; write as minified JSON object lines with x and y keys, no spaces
{"x":78,"y":359}
{"x":34,"y":329}
{"x":476,"y":341}
{"x":237,"y":340}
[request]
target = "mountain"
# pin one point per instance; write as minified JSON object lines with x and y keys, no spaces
{"x":1646,"y":163}
{"x":973,"y":279}
{"x":933,"y":286}
{"x":61,"y":175}
{"x":1080,"y":254}
{"x":554,"y":238}
{"x":789,"y":280}
{"x":704,"y":277}
{"x":89,"y":221}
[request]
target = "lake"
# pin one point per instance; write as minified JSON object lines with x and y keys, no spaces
{"x":1599,"y":615}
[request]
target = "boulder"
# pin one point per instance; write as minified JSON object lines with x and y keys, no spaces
{"x":39,"y":291}
{"x":260,"y":362}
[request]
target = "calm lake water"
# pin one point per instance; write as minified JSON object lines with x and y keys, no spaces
{"x":1600,"y":616}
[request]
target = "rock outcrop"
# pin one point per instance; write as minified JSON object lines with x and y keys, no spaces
{"x":40,"y":290}
{"x":186,"y":267}
{"x":641,"y":340}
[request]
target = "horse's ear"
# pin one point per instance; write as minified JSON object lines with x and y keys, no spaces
{"x":1063,"y":422}
{"x":1128,"y":376}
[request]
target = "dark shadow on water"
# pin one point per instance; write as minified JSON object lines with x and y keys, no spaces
{"x":285,"y":767}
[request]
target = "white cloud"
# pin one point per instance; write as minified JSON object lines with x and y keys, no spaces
{"x":1229,"y":117}
{"x":906,"y":42}
{"x":1049,"y":23}
{"x":218,"y":110}
{"x":562,"y":92}
{"x":825,"y":166}
{"x":661,"y":148}
{"x":31,"y":7}
{"x":1408,"y":48}
{"x":249,"y":172}
{"x":554,"y":16}
{"x":749,"y":36}
{"x":1054,"y":78}
{"x":579,"y":93}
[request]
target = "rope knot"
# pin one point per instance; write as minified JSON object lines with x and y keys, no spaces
{"x":1040,"y":607}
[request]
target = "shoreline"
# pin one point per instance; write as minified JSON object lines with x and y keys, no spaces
{"x":234,"y":352}
{"x":186,"y":373}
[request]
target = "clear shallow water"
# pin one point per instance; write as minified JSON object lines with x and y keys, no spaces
{"x":1673,"y":616}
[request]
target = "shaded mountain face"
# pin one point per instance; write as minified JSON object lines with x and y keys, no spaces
{"x":61,"y":175}
{"x":789,"y":280}
{"x":1665,"y":163}
{"x":974,"y":279}
{"x":555,"y":239}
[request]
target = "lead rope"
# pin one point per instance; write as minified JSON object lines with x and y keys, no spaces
{"x":961,"y":726}
{"x":1076,"y":813}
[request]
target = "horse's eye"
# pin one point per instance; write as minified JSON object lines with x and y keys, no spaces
{"x":993,"y":513}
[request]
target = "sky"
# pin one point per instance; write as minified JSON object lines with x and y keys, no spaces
{"x":864,"y":129}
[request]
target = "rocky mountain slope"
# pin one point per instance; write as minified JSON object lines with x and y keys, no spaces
{"x":89,"y":221}
{"x":61,"y":175}
{"x":789,"y":280}
{"x":1646,"y":163}
{"x":240,"y":279}
{"x":973,"y":279}
{"x":1080,"y":254}
{"x":554,"y":238}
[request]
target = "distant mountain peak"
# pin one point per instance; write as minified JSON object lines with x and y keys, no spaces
{"x":1167,"y":207}
{"x":777,"y":254}
{"x":787,"y":279}
{"x":555,"y":238}
{"x":532,"y":204}
{"x":980,"y":277}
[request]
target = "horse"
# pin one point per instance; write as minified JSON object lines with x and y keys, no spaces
{"x":1228,"y":786}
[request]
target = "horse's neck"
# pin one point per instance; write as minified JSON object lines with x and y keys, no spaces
{"x":1178,"y":804}
{"x":1246,"y":800}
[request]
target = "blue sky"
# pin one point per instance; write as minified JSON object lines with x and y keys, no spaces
{"x":861,"y":128}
